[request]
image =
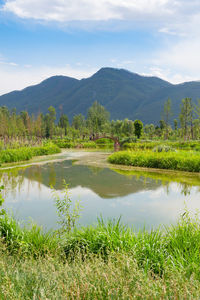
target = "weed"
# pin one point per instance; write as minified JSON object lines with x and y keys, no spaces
{"x":68,"y":215}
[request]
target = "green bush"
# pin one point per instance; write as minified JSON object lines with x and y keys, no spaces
{"x":104,"y":141}
{"x":64,"y":144}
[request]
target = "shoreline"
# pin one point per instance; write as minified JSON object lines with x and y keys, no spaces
{"x":88,"y":157}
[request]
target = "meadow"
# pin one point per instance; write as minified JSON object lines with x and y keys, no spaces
{"x":106,"y":261}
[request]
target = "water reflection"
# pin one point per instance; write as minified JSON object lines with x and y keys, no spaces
{"x":140,"y":197}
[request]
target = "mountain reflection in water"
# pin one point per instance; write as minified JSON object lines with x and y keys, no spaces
{"x":140,"y":197}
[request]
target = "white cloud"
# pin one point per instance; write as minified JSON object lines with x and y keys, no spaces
{"x":179,"y":61}
{"x":95,"y":10}
{"x":28,"y":66}
{"x":19,"y":78}
{"x":176,"y":20}
{"x":2,"y":62}
{"x":170,"y":76}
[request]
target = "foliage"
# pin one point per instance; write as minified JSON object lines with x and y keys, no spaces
{"x":61,"y":143}
{"x":97,"y":117}
{"x":186,"y":117}
{"x":63,"y":123}
{"x":2,"y":211}
{"x":163,"y":148}
{"x":27,"y":241}
{"x":167,"y":113}
{"x":187,"y":145}
{"x":22,"y":129}
{"x":106,"y":259}
{"x":68,"y":215}
{"x":182,"y":161}
{"x":138,"y":128}
{"x":104,"y":141}
{"x":26,"y":153}
{"x":92,"y":278}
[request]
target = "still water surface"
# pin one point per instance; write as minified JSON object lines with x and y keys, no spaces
{"x":140,"y":198}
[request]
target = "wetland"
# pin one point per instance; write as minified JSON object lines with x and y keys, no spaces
{"x":141,"y":197}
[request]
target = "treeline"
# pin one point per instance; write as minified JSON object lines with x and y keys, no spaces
{"x":97,"y":121}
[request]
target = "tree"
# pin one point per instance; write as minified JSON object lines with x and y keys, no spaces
{"x":197,"y":109}
{"x":128,"y":127}
{"x":186,"y":116}
{"x":138,"y":125}
{"x":63,"y":123}
{"x":175,"y":125}
{"x":162,"y":124}
{"x":167,"y":113}
{"x":50,"y":120}
{"x":97,"y":117}
{"x":78,"y":121}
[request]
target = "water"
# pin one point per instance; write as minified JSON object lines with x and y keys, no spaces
{"x":140,"y":198}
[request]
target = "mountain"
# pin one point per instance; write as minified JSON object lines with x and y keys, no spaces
{"x":124,"y":94}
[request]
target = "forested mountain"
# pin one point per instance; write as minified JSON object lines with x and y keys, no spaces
{"x":122,"y":93}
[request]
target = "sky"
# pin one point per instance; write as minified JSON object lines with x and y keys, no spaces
{"x":43,"y":38}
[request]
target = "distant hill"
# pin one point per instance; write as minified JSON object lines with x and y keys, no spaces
{"x":124,"y":94}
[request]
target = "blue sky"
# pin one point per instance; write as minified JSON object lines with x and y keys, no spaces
{"x":40,"y":38}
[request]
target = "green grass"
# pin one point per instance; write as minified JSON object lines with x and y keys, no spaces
{"x":106,"y":261}
{"x":61,"y":143}
{"x":182,"y":160}
{"x":28,"y":241}
{"x":93,"y":278}
{"x":189,"y":145}
{"x":81,"y":144}
{"x":26,"y":153}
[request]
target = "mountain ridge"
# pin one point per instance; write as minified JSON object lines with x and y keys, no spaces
{"x":123,"y":93}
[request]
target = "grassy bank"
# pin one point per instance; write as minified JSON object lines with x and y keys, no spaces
{"x":189,"y":145}
{"x":108,"y":261}
{"x":82,"y":144}
{"x":26,"y":153}
{"x":180,"y":161}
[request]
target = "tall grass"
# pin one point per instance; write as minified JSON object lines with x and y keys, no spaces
{"x":28,"y":241}
{"x":182,"y":160}
{"x":109,"y":261}
{"x":189,"y":145}
{"x":67,"y":144}
{"x":82,"y":144}
{"x":26,"y":153}
{"x":93,"y":278}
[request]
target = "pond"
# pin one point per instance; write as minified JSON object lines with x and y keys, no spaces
{"x":141,"y":198}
